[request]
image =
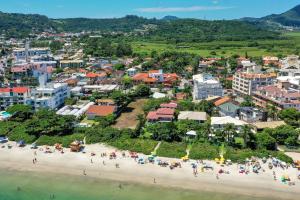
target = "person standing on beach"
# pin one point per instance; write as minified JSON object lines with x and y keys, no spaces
{"x":84,"y":172}
{"x":154,"y":180}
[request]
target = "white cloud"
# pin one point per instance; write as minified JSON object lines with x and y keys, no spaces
{"x":182,"y":9}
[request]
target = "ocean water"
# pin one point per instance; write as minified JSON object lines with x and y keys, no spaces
{"x":37,"y":186}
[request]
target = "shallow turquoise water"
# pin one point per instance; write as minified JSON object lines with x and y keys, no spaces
{"x":35,"y":186}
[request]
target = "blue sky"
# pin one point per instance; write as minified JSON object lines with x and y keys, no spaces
{"x":208,"y":9}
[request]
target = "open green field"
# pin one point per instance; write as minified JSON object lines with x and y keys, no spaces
{"x":289,"y":44}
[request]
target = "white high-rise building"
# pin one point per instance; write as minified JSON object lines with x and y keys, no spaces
{"x":206,"y":86}
{"x":50,"y":95}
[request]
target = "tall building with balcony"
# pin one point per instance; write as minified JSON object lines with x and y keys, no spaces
{"x":244,"y":83}
{"x":11,"y":96}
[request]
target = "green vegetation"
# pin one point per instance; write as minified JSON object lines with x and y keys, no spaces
{"x":20,"y":133}
{"x":173,"y":150}
{"x":136,"y":145}
{"x":204,"y":151}
{"x":64,"y":140}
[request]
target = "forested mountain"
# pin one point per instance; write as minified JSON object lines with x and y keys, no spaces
{"x":17,"y":25}
{"x":288,"y":18}
{"x":179,"y":30}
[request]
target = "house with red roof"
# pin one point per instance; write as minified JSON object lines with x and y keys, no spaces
{"x":100,"y":111}
{"x":165,"y":113}
{"x":154,"y":77}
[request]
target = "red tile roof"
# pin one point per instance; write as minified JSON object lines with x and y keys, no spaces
{"x":94,"y":75}
{"x":165,"y":111}
{"x":168,"y":105}
{"x":222,"y":101}
{"x":101,"y":111}
{"x":15,"y":89}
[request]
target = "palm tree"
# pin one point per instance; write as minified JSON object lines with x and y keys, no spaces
{"x":245,"y":134}
{"x":229,"y":131}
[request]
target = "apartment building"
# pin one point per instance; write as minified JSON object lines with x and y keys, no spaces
{"x":245,"y":83}
{"x":12,"y":96}
{"x":279,"y":95}
{"x":205,"y":85}
{"x":24,"y":53}
{"x":51,"y":95}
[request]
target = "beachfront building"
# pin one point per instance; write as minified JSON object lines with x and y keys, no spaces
{"x":51,"y":95}
{"x":260,"y":126}
{"x":205,"y":86}
{"x":245,"y":83}
{"x":100,"y":111}
{"x":13,"y":95}
{"x":219,"y":123}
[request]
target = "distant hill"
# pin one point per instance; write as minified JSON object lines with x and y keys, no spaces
{"x":169,"y":17}
{"x":288,"y":18}
{"x":17,"y":25}
{"x":171,"y":30}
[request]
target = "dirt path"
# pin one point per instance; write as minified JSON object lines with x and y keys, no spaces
{"x":128,"y":118}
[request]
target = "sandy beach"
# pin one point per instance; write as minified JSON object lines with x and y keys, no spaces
{"x":83,"y":164}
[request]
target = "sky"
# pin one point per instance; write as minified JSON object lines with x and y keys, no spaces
{"x":202,"y":9}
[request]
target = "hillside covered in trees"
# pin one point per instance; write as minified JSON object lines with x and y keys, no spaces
{"x":188,"y":30}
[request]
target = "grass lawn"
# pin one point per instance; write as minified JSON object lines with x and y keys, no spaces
{"x":128,"y":118}
{"x":289,"y":44}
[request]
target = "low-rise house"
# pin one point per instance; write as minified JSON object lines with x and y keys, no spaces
{"x":155,"y":77}
{"x":171,"y":105}
{"x":100,"y":111}
{"x":106,"y":102}
{"x":260,"y":126}
{"x":219,"y":123}
{"x":161,"y":115}
{"x":228,"y":109}
{"x":252,"y":114}
{"x":99,"y":88}
{"x":132,"y":71}
{"x":199,"y":117}
{"x":71,"y":63}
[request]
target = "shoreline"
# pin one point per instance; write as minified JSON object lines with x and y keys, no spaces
{"x":75,"y":164}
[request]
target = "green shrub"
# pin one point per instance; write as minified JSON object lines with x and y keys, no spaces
{"x":7,"y":126}
{"x":204,"y":151}
{"x":172,"y":150}
{"x":136,"y":145}
{"x":19,"y":133}
{"x":64,"y":140}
